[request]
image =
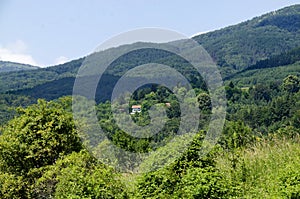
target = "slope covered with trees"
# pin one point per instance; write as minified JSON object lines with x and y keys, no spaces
{"x":6,"y":66}
{"x":242,"y":45}
{"x":28,"y":79}
{"x":233,"y":48}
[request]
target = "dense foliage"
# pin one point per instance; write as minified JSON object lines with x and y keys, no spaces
{"x":41,"y":155}
{"x":244,"y":44}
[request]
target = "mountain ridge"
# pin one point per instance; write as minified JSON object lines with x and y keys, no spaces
{"x":241,"y":45}
{"x":234,"y":48}
{"x":8,"y":66}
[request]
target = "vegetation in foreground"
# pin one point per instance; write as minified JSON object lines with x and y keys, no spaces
{"x":42,"y":156}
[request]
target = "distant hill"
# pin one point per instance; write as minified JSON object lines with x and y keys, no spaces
{"x":30,"y":78}
{"x":239,"y":46}
{"x":234,"y":48}
{"x":6,"y":66}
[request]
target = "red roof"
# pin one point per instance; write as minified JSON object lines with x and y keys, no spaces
{"x":136,"y":106}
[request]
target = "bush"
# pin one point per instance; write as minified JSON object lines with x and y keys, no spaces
{"x":37,"y":138}
{"x":11,"y":186}
{"x":202,"y":183}
{"x":79,"y":175}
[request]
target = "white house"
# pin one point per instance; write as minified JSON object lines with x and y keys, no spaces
{"x":136,"y":109}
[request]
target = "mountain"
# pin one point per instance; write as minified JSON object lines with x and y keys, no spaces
{"x":30,"y":78}
{"x":6,"y":66}
{"x":234,"y":48}
{"x":239,"y":46}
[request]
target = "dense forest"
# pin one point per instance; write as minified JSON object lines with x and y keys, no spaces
{"x":45,"y":153}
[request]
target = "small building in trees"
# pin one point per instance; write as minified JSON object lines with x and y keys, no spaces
{"x":136,"y":109}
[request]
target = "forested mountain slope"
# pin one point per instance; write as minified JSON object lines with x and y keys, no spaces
{"x":244,"y":44}
{"x":6,"y":66}
{"x":234,"y":48}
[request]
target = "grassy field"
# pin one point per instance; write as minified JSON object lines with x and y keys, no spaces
{"x":269,"y":169}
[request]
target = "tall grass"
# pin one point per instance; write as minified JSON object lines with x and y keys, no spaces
{"x":268,"y":169}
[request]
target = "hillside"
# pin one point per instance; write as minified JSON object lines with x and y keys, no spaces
{"x":273,"y":69}
{"x":6,"y":66}
{"x":282,"y":59}
{"x":239,"y":46}
{"x":235,"y":48}
{"x":265,"y":75}
{"x":30,"y":78}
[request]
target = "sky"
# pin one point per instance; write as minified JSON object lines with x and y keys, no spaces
{"x":46,"y":33}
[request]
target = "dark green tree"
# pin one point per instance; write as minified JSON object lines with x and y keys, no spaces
{"x":204,"y":102}
{"x":291,"y":84}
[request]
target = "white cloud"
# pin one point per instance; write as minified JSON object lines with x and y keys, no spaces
{"x":61,"y":60}
{"x":16,"y":52}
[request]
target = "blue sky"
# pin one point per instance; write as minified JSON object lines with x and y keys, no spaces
{"x":49,"y":32}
